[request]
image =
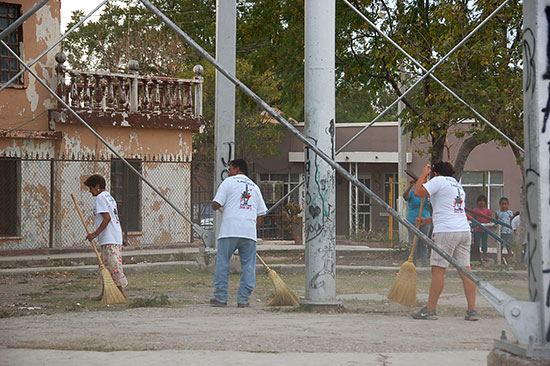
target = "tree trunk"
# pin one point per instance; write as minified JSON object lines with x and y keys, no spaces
{"x":465,"y":149}
{"x":520,"y":161}
{"x":438,"y":146}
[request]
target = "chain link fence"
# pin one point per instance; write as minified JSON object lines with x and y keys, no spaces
{"x":38,"y":211}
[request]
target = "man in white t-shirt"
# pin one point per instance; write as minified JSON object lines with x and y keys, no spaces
{"x":243,"y":208}
{"x":451,"y":233}
{"x":107,"y":231}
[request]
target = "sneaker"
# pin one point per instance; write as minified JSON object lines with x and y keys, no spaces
{"x":425,"y":314}
{"x":214,"y":302}
{"x":471,"y":316}
{"x":243,"y":305}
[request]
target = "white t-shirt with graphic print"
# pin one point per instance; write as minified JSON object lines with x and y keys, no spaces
{"x":448,"y":204}
{"x":242,"y":203}
{"x":112,"y":234}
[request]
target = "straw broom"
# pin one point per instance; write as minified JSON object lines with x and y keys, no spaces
{"x":111,"y":293}
{"x":283,"y":295}
{"x":403,"y":290}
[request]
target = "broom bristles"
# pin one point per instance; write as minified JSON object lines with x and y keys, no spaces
{"x":403,"y":290}
{"x":283,"y":294}
{"x":111,"y":293}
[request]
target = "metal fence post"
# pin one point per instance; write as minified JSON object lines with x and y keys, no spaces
{"x":52,"y":200}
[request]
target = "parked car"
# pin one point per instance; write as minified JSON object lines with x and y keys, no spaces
{"x":203,"y":213}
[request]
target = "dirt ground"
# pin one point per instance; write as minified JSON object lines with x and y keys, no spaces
{"x":170,"y":311}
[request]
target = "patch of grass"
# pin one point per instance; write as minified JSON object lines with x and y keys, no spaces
{"x":6,"y":314}
{"x":151,"y":302}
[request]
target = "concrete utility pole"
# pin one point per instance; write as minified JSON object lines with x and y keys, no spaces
{"x":536,"y":88}
{"x":401,"y":175}
{"x":320,"y":238}
{"x":536,"y":106}
{"x":224,"y":132}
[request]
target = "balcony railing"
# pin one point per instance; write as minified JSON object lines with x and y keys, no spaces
{"x":129,"y":99}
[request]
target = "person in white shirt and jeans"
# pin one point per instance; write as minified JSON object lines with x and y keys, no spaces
{"x":243,"y":208}
{"x":107,"y":231}
{"x":451,"y":233}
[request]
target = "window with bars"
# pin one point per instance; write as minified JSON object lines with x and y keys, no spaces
{"x":9,"y":66}
{"x":360,"y":207}
{"x":10,"y":181}
{"x":487,"y":183}
{"x":290,"y":181}
{"x":126,"y":190}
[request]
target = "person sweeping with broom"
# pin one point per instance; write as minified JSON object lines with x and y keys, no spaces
{"x":243,"y":207}
{"x":107,"y":231}
{"x":451,"y":233}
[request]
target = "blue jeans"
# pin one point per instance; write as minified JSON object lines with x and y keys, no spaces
{"x":247,"y":253}
{"x":481,"y":237}
{"x":421,"y":246}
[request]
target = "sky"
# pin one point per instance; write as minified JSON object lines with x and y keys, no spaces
{"x":67,"y":7}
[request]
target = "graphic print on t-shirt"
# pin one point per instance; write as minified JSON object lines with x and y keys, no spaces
{"x":245,"y":196}
{"x":115,"y":212}
{"x":458,"y":202}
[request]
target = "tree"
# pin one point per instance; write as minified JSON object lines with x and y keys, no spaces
{"x":486,"y":71}
{"x":128,"y":31}
{"x":257,"y":135}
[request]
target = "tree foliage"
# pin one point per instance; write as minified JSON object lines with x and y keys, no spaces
{"x":485,"y":71}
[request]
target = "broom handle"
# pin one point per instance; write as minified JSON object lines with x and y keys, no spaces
{"x":418,"y":227}
{"x":87,"y":231}
{"x":261,"y":260}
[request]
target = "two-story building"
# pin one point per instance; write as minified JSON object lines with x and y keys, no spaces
{"x":46,"y":152}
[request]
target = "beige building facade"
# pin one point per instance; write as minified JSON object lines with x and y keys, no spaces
{"x":46,"y":152}
{"x":490,"y":170}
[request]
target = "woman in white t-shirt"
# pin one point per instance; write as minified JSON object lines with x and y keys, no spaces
{"x":451,"y":233}
{"x":108,"y":232}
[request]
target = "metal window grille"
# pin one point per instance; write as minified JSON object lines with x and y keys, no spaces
{"x":487,"y":183}
{"x":126,"y":189}
{"x":8,"y":63}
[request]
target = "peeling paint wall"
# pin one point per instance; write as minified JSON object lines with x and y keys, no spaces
{"x":70,"y":176}
{"x":29,"y":103}
{"x":129,"y":142}
{"x":34,"y":211}
{"x":20,"y":147}
{"x":161,"y":223}
{"x":26,"y":107}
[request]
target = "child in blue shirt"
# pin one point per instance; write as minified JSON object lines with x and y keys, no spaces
{"x":505,"y":215}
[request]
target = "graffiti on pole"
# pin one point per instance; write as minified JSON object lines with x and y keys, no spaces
{"x":225,"y":162}
{"x":320,"y":224}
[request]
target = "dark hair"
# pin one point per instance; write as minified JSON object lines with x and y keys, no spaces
{"x":94,"y":180}
{"x":241,"y":164}
{"x":503,"y":199}
{"x":481,"y":198}
{"x":444,"y":168}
